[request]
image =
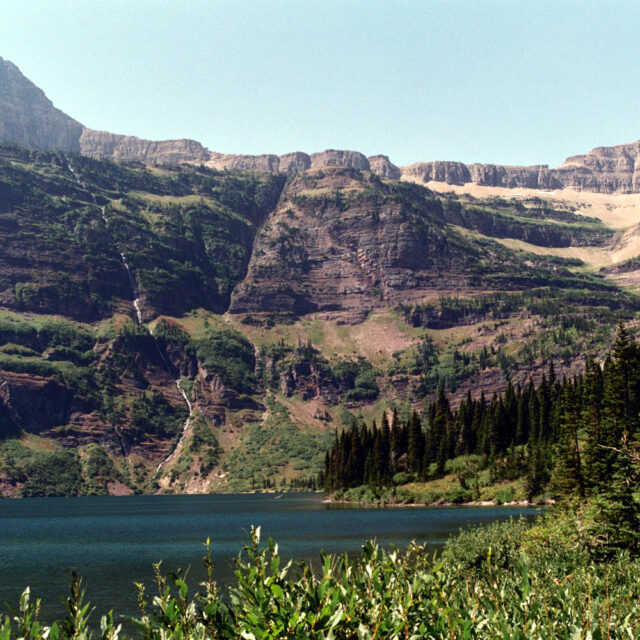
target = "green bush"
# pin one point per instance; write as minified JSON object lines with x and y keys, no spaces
{"x":55,"y":473}
{"x":402,"y":478}
{"x":231,"y":356}
{"x":484,"y":586}
{"x":508,"y":494}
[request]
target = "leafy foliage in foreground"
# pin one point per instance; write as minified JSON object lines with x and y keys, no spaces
{"x":507,"y":581}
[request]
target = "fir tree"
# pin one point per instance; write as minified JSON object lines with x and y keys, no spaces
{"x":567,"y":478}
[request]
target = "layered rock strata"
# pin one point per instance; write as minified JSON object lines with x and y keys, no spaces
{"x":332,"y":247}
{"x":28,"y":118}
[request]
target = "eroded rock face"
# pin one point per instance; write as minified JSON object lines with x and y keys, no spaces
{"x":350,"y":252}
{"x":383,"y":167}
{"x":294,"y":162}
{"x":604,"y":169}
{"x":221,"y":161}
{"x":102,"y":144}
{"x":35,"y":403}
{"x":449,"y":172}
{"x":339,"y":158}
{"x":28,"y":117}
{"x":535,"y":177}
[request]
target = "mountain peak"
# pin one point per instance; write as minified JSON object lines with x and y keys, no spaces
{"x":28,"y":117}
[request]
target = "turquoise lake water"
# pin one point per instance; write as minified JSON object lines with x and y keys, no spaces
{"x":113,"y":542}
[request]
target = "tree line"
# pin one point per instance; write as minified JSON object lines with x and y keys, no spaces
{"x":571,"y":436}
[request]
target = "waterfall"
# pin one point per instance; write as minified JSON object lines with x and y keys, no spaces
{"x":123,"y":258}
{"x":136,"y":305}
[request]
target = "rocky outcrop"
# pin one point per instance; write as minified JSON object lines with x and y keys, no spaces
{"x":101,"y":144}
{"x":303,"y":378}
{"x":488,"y":175}
{"x":349,"y":253}
{"x":338,"y":158}
{"x":542,"y":233}
{"x":35,"y":403}
{"x":604,"y":169}
{"x":221,"y":161}
{"x":449,"y":172}
{"x":214,"y":398}
{"x":383,"y":167}
{"x":535,"y":177}
{"x":294,"y":162}
{"x":28,"y":118}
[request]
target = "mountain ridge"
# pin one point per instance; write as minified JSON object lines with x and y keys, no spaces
{"x":28,"y":118}
{"x":286,"y":307}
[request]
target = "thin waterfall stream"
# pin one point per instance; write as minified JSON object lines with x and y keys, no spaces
{"x":136,"y":305}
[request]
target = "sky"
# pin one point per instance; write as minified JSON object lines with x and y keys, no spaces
{"x":501,"y":81}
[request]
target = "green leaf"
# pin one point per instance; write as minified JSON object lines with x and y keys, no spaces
{"x":277,"y":591}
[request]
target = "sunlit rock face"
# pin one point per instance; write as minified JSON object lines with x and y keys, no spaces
{"x":28,"y":118}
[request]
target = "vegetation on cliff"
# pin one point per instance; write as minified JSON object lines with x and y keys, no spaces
{"x":282,"y":306}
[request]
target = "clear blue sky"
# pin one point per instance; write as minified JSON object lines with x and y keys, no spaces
{"x":519,"y":81}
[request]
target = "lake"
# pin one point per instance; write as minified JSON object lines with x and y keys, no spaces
{"x":113,"y":542}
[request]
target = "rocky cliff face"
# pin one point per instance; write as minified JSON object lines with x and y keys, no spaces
{"x":449,"y":172}
{"x":101,"y":144}
{"x":383,"y":167}
{"x":603,"y":170}
{"x":35,"y":403}
{"x":27,"y":116}
{"x":331,"y":246}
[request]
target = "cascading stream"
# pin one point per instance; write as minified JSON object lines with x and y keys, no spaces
{"x":185,"y":428}
{"x":136,"y":306}
{"x":123,"y":258}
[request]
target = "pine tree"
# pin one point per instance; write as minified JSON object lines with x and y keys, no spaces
{"x":617,"y":523}
{"x":591,"y":420}
{"x":616,"y":418}
{"x":567,"y":478}
{"x":500,"y":428}
{"x":545,"y":404}
{"x":415,"y":445}
{"x":437,"y":437}
{"x":522,"y":420}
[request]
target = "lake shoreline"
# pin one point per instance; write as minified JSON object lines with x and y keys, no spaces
{"x":473,"y":503}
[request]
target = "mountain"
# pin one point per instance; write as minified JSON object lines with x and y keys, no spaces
{"x":28,"y":118}
{"x":192,"y":327}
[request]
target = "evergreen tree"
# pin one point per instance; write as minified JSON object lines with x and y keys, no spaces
{"x":591,"y":419}
{"x":617,"y":523}
{"x":415,"y":445}
{"x":567,"y":478}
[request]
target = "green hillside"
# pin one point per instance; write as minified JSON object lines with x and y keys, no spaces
{"x":186,"y":329}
